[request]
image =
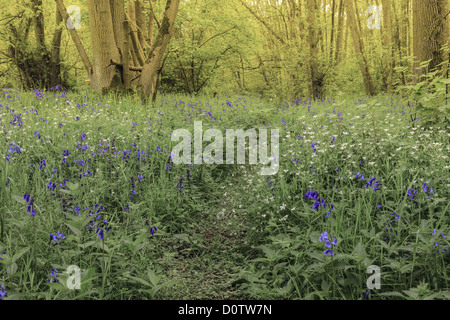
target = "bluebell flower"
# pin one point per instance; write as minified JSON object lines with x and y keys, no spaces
{"x":366,"y":295}
{"x":412,"y":192}
{"x":29,"y":199}
{"x":53,"y":274}
{"x":26,"y":197}
{"x":311,"y":195}
{"x":359,"y":176}
{"x":424,"y":187}
{"x":153,"y":229}
{"x":42,"y":164}
{"x":324,"y":238}
{"x":51,"y":185}
{"x":57,"y":238}
{"x":2,"y":291}
{"x":316,"y":205}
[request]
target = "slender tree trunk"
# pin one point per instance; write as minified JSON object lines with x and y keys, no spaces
{"x":359,"y":48}
{"x":38,"y":22}
{"x":55,"y":72}
{"x":339,"y":31}
{"x":404,"y":25}
{"x":387,"y":39}
{"x":333,"y":12}
{"x":75,"y":38}
{"x":126,"y":74}
{"x":313,"y":72}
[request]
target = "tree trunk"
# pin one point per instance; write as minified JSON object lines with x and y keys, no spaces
{"x":359,"y":48}
{"x":333,"y":12}
{"x":37,"y":65}
{"x":315,"y":81}
{"x":75,"y":38}
{"x":140,"y":22}
{"x":151,"y":17}
{"x":431,"y":32}
{"x":339,"y":35}
{"x":55,"y":74}
{"x":147,"y":81}
{"x":387,"y":39}
{"x":105,"y":76}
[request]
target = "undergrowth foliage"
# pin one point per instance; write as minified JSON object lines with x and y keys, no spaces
{"x":89,"y":181}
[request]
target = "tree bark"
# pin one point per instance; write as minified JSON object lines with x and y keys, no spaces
{"x":76,"y":39}
{"x":339,"y":35}
{"x":104,"y":47}
{"x":140,"y":22}
{"x":387,"y":39}
{"x":333,"y":12}
{"x":359,"y":48}
{"x":315,"y":81}
{"x":431,"y":32}
{"x":147,"y":81}
{"x":55,"y":73}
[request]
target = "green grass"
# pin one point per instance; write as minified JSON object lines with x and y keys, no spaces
{"x":230,"y":233}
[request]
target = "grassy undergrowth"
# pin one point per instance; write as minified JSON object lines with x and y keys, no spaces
{"x":89,"y":182}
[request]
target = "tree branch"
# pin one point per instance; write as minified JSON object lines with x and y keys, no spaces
{"x":263,"y":22}
{"x":131,"y":68}
{"x":75,"y":38}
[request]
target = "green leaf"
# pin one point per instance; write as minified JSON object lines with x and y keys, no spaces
{"x":392,"y":294}
{"x":270,"y":254}
{"x":12,"y":269}
{"x":444,"y":109}
{"x":73,"y":186}
{"x":359,"y":250}
{"x":66,"y":191}
{"x":19,"y":254}
{"x":325,"y":285}
{"x":19,"y":199}
{"x":74,"y":230}
{"x":154,"y":279}
{"x":140,"y":280}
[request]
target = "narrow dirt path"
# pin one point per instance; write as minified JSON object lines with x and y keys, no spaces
{"x":208,"y":259}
